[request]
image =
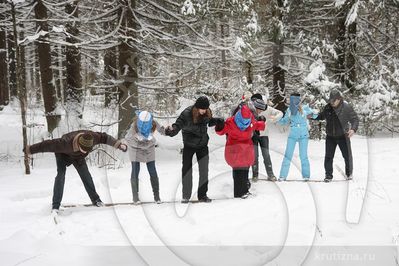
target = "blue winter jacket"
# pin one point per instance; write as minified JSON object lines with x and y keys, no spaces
{"x":298,"y":122}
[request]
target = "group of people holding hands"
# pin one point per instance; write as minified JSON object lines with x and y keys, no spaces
{"x":246,"y":130}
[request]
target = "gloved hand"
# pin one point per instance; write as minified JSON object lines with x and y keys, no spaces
{"x":122,"y":147}
{"x":169,"y":131}
{"x":219,"y":124}
{"x":261,"y":118}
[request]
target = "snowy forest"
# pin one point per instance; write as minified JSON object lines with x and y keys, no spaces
{"x":55,"y":55}
{"x":67,"y":65}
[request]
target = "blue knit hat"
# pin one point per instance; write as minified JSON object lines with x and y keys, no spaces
{"x":243,"y":118}
{"x":144,"y":123}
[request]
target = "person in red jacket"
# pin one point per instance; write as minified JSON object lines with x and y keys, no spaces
{"x":239,"y":151}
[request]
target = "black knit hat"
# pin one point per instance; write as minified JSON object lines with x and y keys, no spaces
{"x":334,"y":95}
{"x":202,"y":103}
{"x":86,"y":142}
{"x":256,"y":96}
{"x":260,"y":104}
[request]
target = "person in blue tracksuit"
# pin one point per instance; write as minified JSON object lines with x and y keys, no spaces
{"x":297,"y":116}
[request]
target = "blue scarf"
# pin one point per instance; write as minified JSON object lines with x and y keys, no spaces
{"x":145,"y":127}
{"x":294,"y":104}
{"x":242,"y":123}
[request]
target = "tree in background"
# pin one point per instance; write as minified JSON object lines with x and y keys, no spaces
{"x":46,"y":73}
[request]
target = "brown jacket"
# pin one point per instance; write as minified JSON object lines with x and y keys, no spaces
{"x":68,"y":144}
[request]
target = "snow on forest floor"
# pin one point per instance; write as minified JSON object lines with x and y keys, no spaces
{"x":283,"y":223}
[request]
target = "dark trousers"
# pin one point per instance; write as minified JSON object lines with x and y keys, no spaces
{"x":344,"y":145}
{"x":240,"y":177}
{"x":85,"y":176}
{"x":187,"y":171}
{"x":134,"y":179}
{"x":263,"y":142}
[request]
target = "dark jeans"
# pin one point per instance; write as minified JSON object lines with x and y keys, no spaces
{"x":263,"y":142}
{"x":134,"y":179}
{"x":80,"y":166}
{"x":344,"y":145}
{"x":187,"y":171}
{"x":240,"y":177}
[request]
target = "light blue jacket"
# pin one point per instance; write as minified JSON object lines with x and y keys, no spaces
{"x":299,"y":122}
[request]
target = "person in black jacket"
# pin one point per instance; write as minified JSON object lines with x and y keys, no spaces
{"x":194,"y":122}
{"x":342,"y":124}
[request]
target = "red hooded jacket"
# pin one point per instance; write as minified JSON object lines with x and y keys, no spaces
{"x":239,"y":150}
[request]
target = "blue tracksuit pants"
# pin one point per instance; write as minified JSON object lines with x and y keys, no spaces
{"x":303,"y":155}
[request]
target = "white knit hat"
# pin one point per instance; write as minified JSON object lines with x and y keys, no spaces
{"x":145,"y":116}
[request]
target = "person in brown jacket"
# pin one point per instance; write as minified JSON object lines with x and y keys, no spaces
{"x":73,"y":148}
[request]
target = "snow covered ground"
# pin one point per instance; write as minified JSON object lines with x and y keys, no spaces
{"x":288,"y":223}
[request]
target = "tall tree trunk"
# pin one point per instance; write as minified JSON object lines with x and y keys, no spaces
{"x":278,"y":92}
{"x":224,"y":34}
{"x":21,"y":89}
{"x":128,"y":62}
{"x":4,"y":89}
{"x":60,"y":75}
{"x":22,"y":62}
{"x":249,"y":73}
{"x":37,"y":84}
{"x":340,"y":46}
{"x":57,"y":81}
{"x":12,"y":80}
{"x":73,"y":77}
{"x":351,"y":77}
{"x":46,"y":73}
{"x":110,"y":68}
{"x":346,"y":47}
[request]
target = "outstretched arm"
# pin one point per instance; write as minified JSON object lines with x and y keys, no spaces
{"x":104,"y":138}
{"x":54,"y":145}
{"x":160,"y":129}
{"x":321,"y":115}
{"x":286,"y":118}
{"x":221,"y":128}
{"x":309,"y":112}
{"x":176,"y":127}
{"x":273,"y":114}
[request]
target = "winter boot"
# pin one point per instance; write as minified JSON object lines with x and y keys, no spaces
{"x":99,"y":203}
{"x":135,"y":190}
{"x":272,"y":178}
{"x":205,"y":199}
{"x":155,"y":188}
{"x":185,"y":201}
{"x":157,"y":199}
{"x":246,"y":195}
